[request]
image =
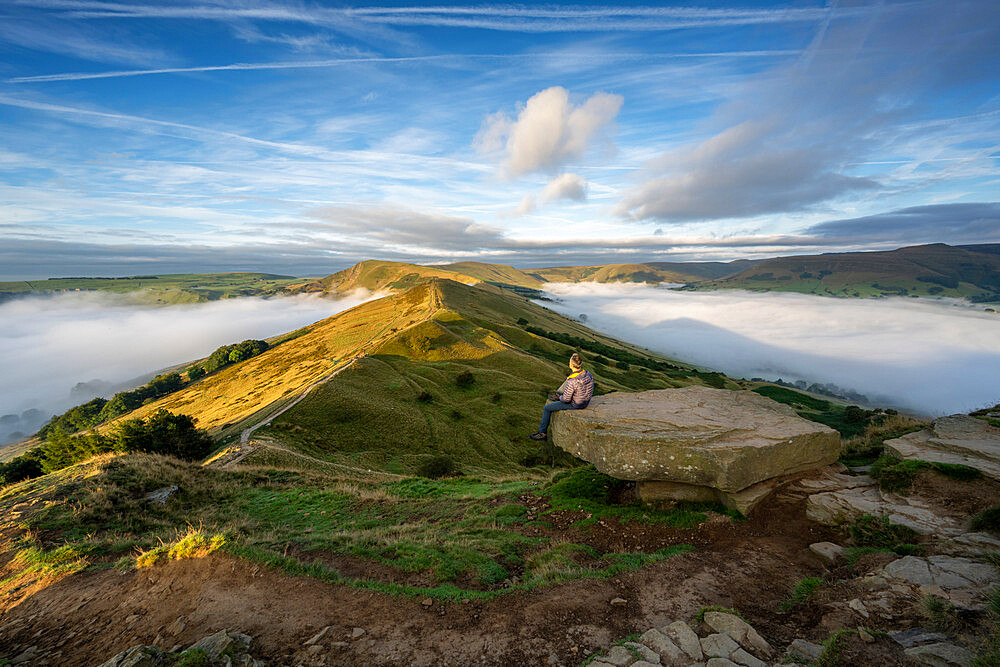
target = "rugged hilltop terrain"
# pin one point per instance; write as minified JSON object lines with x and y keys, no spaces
{"x":369,"y":496}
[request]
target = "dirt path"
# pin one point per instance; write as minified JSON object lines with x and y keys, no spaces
{"x":247,"y":432}
{"x":86,"y":618}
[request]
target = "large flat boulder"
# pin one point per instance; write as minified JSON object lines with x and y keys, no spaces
{"x":957,"y":439}
{"x":696,"y":443}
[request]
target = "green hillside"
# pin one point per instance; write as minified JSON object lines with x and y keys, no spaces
{"x":929,"y":270}
{"x":373,"y":415}
{"x":442,"y":378}
{"x":159,"y":289}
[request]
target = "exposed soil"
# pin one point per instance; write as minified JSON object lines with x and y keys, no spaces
{"x":751,"y":566}
{"x":955,"y":499}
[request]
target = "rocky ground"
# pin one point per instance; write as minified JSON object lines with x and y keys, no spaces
{"x":787,"y":586}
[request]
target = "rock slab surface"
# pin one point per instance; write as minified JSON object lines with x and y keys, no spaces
{"x":699,"y":441}
{"x":959,"y":439}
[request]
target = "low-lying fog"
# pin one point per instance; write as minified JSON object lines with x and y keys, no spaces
{"x":50,"y":344}
{"x":933,"y":357}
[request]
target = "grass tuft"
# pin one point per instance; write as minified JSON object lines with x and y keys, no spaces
{"x":801,"y":593}
{"x":988,"y":519}
{"x":896,"y":475}
{"x":879,"y":533}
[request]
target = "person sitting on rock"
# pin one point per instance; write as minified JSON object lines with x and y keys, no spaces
{"x":574,"y":394}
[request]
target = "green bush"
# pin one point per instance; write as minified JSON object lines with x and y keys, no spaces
{"x":18,"y":469}
{"x":436,"y":467}
{"x":424,"y":397}
{"x":988,"y":519}
{"x":196,"y":373}
{"x":161,"y":433}
{"x":465,"y":379}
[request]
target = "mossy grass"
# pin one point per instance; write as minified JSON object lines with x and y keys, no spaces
{"x":897,"y":475}
{"x":803,"y":590}
{"x":587,"y":490}
{"x":878,"y":533}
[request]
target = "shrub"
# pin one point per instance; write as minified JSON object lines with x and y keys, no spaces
{"x":624,"y":365}
{"x":196,"y":373}
{"x":424,"y":397}
{"x":18,"y":469}
{"x":496,"y":397}
{"x":988,"y":519}
{"x":465,"y":379}
{"x":521,"y":321}
{"x":436,"y":467}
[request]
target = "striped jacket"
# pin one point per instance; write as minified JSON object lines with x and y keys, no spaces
{"x":577,"y":389}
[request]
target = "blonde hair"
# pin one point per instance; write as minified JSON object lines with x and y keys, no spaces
{"x":575,"y":362}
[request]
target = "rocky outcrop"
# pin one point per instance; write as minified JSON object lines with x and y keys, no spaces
{"x":224,"y":648}
{"x":958,"y":439}
{"x":727,"y":640}
{"x":696,"y":443}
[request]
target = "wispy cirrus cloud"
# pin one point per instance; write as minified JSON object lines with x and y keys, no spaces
{"x":505,"y":18}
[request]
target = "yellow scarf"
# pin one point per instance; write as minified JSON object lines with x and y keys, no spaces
{"x":576,"y":374}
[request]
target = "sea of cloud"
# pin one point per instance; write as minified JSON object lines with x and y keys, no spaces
{"x":49,"y":344}
{"x":930,"y":356}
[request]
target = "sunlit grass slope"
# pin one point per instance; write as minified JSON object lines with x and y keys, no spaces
{"x":284,"y":371}
{"x":496,"y":273}
{"x":403,"y":402}
{"x":614,"y":273}
{"x":160,"y":289}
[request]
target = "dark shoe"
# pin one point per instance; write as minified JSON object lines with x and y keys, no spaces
{"x":538,"y":436}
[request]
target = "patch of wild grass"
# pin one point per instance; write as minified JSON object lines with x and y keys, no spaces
{"x":803,"y":590}
{"x":897,"y":475}
{"x":865,"y":447}
{"x":988,"y":519}
{"x":587,"y":490}
{"x":878,"y":533}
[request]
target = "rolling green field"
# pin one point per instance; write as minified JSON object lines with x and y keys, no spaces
{"x":936,"y":270}
{"x":160,"y":289}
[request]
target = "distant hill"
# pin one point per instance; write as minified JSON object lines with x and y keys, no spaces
{"x":169,"y":288}
{"x":378,"y":275}
{"x":971,"y":272}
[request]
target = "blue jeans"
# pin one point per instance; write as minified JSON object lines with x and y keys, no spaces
{"x":553,"y":407}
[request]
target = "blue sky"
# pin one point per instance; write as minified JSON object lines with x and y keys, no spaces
{"x":300,"y":137}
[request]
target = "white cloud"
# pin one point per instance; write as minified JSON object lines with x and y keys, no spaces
{"x":548,"y":132}
{"x":933,"y":357}
{"x":565,"y":186}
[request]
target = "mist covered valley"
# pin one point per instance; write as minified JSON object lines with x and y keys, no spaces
{"x":932,"y":357}
{"x":60,"y":351}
